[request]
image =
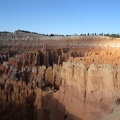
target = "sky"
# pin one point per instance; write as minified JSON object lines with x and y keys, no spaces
{"x":60,"y":16}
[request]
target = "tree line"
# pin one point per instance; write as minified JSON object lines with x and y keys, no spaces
{"x":52,"y":35}
{"x":100,"y":34}
{"x":88,"y":34}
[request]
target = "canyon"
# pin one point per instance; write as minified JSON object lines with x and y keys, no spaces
{"x":59,"y":77}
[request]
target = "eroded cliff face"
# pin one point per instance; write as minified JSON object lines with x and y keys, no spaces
{"x":88,"y":93}
{"x":63,"y":79}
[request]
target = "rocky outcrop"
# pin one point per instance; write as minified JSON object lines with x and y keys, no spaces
{"x":85,"y":91}
{"x":71,"y":78}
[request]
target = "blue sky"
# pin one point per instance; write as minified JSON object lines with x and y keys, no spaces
{"x":60,"y":16}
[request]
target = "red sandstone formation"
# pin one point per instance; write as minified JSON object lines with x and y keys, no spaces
{"x":59,"y":78}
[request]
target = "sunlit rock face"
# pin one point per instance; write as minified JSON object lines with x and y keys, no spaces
{"x":85,"y":91}
{"x":59,"y":78}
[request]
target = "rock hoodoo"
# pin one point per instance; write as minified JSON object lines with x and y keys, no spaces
{"x":59,"y":78}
